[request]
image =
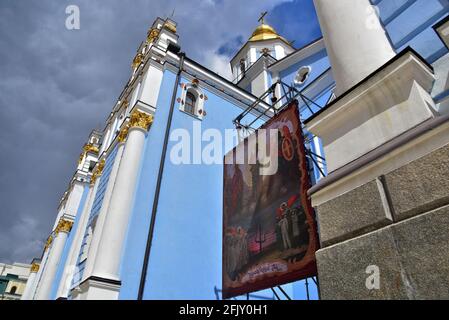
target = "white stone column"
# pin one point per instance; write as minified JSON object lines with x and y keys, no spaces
{"x":355,"y":40}
{"x":103,"y":211}
{"x":74,"y":198}
{"x":54,"y":257}
{"x":70,"y":266}
{"x":108,"y":257}
{"x":39,"y":274}
{"x":28,"y":292}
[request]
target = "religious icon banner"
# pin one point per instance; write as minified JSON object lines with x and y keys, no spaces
{"x":269,"y":227}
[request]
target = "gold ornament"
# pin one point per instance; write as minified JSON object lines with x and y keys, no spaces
{"x":48,"y":243}
{"x":64,"y":226}
{"x":123,"y":134}
{"x":90,"y":148}
{"x":97,"y":172}
{"x":86,"y":149}
{"x":34,"y":267}
{"x":152,"y":35}
{"x":170,"y":26}
{"x":137,"y":60}
{"x":140,"y":119}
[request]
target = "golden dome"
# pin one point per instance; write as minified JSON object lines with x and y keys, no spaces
{"x":265,"y":32}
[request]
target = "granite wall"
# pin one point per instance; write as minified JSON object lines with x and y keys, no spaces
{"x":397,"y":224}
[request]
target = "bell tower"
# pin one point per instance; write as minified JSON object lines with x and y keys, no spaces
{"x":264,"y":47}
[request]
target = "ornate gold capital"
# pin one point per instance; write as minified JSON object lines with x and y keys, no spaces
{"x":48,"y":243}
{"x":34,"y":267}
{"x":90,"y":148}
{"x":123,"y":134}
{"x":137,"y":60}
{"x":97,"y":172}
{"x":140,"y":119}
{"x":64,"y":226}
{"x":152,"y":35}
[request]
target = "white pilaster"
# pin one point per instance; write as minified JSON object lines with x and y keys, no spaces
{"x":28,"y":292}
{"x":37,"y":282}
{"x":70,"y":267}
{"x":54,"y":257}
{"x":149,"y":90}
{"x":108,"y":257}
{"x":74,"y":198}
{"x":355,"y":40}
{"x":102,"y":214}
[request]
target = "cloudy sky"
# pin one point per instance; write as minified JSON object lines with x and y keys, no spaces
{"x":56,"y":85}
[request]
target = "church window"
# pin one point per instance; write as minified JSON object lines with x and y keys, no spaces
{"x":92,"y":165}
{"x":190,"y":103}
{"x":302,"y":75}
{"x":192,"y":100}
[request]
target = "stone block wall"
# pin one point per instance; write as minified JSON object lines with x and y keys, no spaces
{"x":398,"y":223}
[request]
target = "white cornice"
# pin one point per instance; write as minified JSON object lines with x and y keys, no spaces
{"x":223,"y":88}
{"x":298,"y":55}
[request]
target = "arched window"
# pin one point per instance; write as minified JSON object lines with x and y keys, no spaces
{"x":190,"y":103}
{"x":192,"y":100}
{"x":13,"y":290}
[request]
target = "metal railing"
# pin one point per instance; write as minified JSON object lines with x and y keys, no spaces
{"x":269,"y":105}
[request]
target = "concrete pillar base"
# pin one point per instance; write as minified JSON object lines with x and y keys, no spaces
{"x":95,"y":288}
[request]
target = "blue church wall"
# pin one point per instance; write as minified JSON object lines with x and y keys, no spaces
{"x":319,"y":62}
{"x":68,"y":245}
{"x":409,"y":23}
{"x":133,"y":253}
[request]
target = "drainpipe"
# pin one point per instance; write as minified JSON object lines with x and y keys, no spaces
{"x":159,"y":181}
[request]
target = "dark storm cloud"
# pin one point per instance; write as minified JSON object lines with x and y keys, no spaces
{"x":56,"y":85}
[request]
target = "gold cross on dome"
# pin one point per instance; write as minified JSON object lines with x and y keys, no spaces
{"x":262,"y":17}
